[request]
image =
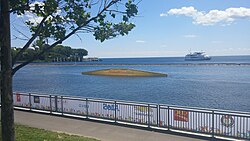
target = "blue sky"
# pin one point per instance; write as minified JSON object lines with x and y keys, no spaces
{"x":167,"y":28}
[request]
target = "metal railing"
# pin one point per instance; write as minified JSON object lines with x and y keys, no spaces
{"x":166,"y":117}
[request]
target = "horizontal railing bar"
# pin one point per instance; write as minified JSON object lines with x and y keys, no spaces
{"x":93,"y":98}
{"x":204,"y":112}
{"x":100,"y":101}
{"x":191,"y":110}
{"x":207,"y":109}
{"x":74,"y":98}
{"x":25,"y":94}
{"x":134,"y":102}
{"x":46,"y":96}
{"x":232,"y":114}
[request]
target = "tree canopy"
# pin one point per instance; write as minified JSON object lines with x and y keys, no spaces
{"x":57,"y":20}
{"x":50,"y":23}
{"x":59,"y":51}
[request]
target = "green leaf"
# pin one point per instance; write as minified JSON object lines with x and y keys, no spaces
{"x":125,"y":18}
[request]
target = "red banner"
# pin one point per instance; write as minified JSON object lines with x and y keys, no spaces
{"x":181,"y":115}
{"x":18,"y":98}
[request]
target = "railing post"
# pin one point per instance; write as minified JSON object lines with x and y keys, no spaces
{"x":56,"y":107}
{"x":30,"y":101}
{"x":158,"y":115}
{"x":148,"y":115}
{"x":212,"y":124}
{"x":168,"y":119}
{"x":87,"y":108}
{"x":115,"y":112}
{"x":62,"y":104}
{"x":50,"y":104}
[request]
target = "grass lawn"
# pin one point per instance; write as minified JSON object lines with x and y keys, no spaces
{"x":24,"y":133}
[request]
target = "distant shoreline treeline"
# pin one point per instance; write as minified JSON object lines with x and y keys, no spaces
{"x":173,"y":64}
{"x":59,"y":53}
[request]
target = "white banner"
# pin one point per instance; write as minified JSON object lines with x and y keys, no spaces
{"x":21,"y":100}
{"x":196,"y":121}
{"x":102,"y":109}
{"x":40,"y":102}
{"x":224,"y":124}
{"x":73,"y":106}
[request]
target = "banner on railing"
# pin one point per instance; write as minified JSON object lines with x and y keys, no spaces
{"x":224,"y":124}
{"x":227,"y":124}
{"x":137,"y":113}
{"x":40,"y":102}
{"x":70,"y":106}
{"x":21,"y":100}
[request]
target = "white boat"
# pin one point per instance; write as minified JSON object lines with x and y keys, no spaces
{"x":197,"y":56}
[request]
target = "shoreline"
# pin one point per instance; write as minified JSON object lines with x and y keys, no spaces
{"x":170,"y":64}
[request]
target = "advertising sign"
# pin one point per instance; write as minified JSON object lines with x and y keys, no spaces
{"x":18,"y":98}
{"x":74,"y":106}
{"x":40,"y":102}
{"x":224,"y":124}
{"x":181,"y":115}
{"x":21,"y":100}
{"x":36,"y":99}
{"x":227,"y":121}
{"x":102,"y":109}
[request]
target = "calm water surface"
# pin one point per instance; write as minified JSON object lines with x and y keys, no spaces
{"x":223,"y":87}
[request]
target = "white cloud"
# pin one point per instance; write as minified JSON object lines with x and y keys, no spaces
{"x":190,"y":36}
{"x":213,"y":16}
{"x":140,"y":41}
{"x":34,"y":18}
{"x":163,"y":14}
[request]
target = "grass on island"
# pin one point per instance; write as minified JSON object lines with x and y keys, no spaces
{"x":24,"y":133}
{"x":123,"y":72}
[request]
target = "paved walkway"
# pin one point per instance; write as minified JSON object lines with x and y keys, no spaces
{"x":102,"y":131}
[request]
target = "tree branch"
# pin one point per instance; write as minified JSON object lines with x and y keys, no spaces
{"x":117,"y":11}
{"x":29,"y":42}
{"x":20,"y":32}
{"x":35,"y":57}
{"x":19,"y":38}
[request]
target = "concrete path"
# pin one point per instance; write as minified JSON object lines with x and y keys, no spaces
{"x":102,"y":131}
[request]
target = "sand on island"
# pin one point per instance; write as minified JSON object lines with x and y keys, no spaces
{"x":123,"y":72}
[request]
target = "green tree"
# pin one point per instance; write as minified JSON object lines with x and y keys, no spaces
{"x":63,"y":50}
{"x":80,"y":52}
{"x":57,"y":21}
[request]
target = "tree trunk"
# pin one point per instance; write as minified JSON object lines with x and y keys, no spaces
{"x":7,"y":110}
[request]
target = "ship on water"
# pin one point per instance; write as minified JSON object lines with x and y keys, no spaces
{"x":197,"y":56}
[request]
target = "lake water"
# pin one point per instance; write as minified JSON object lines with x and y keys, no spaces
{"x":207,"y":86}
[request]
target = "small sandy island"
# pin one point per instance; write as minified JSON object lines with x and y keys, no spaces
{"x":124,"y":72}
